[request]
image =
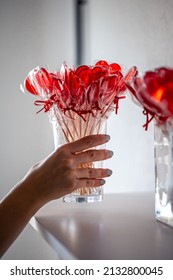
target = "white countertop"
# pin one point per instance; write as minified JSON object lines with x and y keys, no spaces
{"x":122,"y":226}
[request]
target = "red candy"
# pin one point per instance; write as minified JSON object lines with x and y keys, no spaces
{"x":102,"y":63}
{"x":114,"y":67}
{"x":29,"y":87}
{"x":154,"y":91}
{"x":98,"y":72}
{"x":86,"y":89}
{"x":85,"y":74}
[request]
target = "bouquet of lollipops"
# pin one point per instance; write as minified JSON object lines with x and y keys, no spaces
{"x":79,"y":100}
{"x":154,"y":92}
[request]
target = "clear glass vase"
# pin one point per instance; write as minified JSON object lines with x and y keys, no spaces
{"x":71,"y":127}
{"x":163,"y":136}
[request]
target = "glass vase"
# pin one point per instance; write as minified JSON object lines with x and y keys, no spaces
{"x":70,"y":127}
{"x":163,"y":136}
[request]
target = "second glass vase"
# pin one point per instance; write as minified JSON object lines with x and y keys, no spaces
{"x":163,"y":137}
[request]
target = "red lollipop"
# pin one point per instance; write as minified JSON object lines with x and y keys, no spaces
{"x":64,"y":73}
{"x":93,"y":95}
{"x":114,"y":67}
{"x":85,"y":75}
{"x":29,"y":87}
{"x":102,"y":63}
{"x":159,"y":89}
{"x":44,"y":80}
{"x":98,"y":72}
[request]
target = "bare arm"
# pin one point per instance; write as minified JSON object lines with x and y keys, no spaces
{"x":50,"y":179}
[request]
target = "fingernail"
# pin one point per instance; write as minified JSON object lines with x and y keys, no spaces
{"x":110,"y":153}
{"x":109,"y":172}
{"x":108,"y":138}
{"x":102,"y":182}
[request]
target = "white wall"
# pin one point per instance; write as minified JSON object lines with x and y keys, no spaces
{"x":39,"y":32}
{"x":32,"y":32}
{"x":131,"y":32}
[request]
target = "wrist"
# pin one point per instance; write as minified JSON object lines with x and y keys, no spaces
{"x":29,"y":196}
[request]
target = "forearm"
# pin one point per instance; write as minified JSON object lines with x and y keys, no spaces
{"x":16,"y":209}
{"x":52,"y":178}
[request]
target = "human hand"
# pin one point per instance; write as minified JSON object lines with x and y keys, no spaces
{"x":59,"y":174}
{"x":52,"y":178}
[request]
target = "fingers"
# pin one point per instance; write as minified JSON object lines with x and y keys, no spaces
{"x":91,"y":177}
{"x":88,"y":142}
{"x":92,"y":155}
{"x":89,"y":183}
{"x":93,"y":173}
